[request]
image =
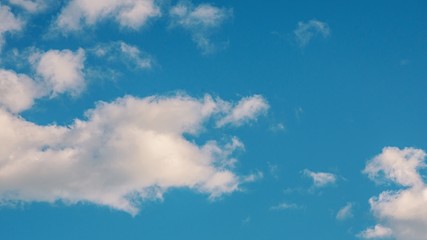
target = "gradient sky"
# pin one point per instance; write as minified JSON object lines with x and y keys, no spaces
{"x":146,"y":119}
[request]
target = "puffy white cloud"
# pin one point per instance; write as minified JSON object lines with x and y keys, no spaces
{"x":120,"y":51}
{"x":305,"y":32}
{"x":247,"y":109}
{"x":403,"y":211}
{"x":123,"y":153}
{"x":200,"y":21}
{"x":61,"y":70}
{"x":32,"y":6}
{"x":377,"y":232}
{"x":17,"y":91}
{"x":345,"y":212}
{"x":9,"y":23}
{"x":128,"y":13}
{"x":399,"y":166}
{"x":320,"y":179}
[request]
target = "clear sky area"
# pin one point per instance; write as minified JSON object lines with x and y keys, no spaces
{"x":255,"y":120}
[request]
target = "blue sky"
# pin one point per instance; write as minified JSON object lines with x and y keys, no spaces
{"x":146,"y":119}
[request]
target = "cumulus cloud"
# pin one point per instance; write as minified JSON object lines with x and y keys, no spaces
{"x":61,"y":70}
{"x":122,"y":52}
{"x":17,"y":91}
{"x":128,"y":13}
{"x":320,"y":179}
{"x":403,"y":211}
{"x":9,"y":23}
{"x":247,"y":109}
{"x":200,"y":21}
{"x":345,"y":212}
{"x":377,"y":232}
{"x":123,"y":153}
{"x":306,"y":31}
{"x":32,"y":6}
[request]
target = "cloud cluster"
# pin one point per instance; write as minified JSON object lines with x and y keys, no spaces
{"x":200,"y":21}
{"x":306,"y":31}
{"x":57,"y":72}
{"x":128,"y":13}
{"x":9,"y":23}
{"x":401,"y":211}
{"x":320,"y":179}
{"x":124,"y":152}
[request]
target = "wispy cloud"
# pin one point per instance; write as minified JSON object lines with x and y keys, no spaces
{"x":32,"y":6}
{"x":345,"y":212}
{"x":123,"y":53}
{"x":320,"y":179}
{"x":306,"y":31}
{"x":200,"y":21}
{"x":285,"y":206}
{"x":247,"y":109}
{"x":9,"y":23}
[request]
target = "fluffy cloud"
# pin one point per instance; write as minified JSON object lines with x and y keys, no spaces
{"x":200,"y":21}
{"x":9,"y":23}
{"x":128,"y":13}
{"x":122,"y":52}
{"x":345,"y":212}
{"x":377,"y":232}
{"x":305,"y":32}
{"x":17,"y":91}
{"x":61,"y":70}
{"x":32,"y":6}
{"x":123,"y":153}
{"x":247,"y":109}
{"x":320,"y":179}
{"x":403,"y":211}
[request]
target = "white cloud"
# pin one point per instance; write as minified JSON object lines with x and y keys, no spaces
{"x":377,"y":232}
{"x":320,"y":179}
{"x":399,"y":166}
{"x":285,"y":206}
{"x":17,"y":91}
{"x":123,"y":153}
{"x":246,"y":110}
{"x":200,"y":21}
{"x":120,"y":51}
{"x":403,"y":210}
{"x":128,"y":13}
{"x":345,"y":212}
{"x":61,"y":70}
{"x":305,"y":32}
{"x":9,"y":23}
{"x":32,"y":6}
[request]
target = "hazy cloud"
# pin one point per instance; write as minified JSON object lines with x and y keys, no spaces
{"x":345,"y":212}
{"x":306,"y":31}
{"x":320,"y":179}
{"x":200,"y":21}
{"x":9,"y":23}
